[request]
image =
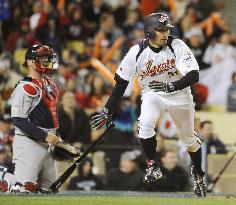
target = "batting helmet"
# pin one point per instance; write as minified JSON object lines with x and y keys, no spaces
{"x":156,"y":21}
{"x":43,"y":56}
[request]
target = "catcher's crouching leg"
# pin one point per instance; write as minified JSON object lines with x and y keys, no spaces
{"x":6,"y":179}
{"x":4,"y":185}
{"x":28,"y":188}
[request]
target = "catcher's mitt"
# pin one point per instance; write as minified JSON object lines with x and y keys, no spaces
{"x":64,"y":152}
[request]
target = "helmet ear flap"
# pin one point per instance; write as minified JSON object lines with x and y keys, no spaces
{"x":151,"y":34}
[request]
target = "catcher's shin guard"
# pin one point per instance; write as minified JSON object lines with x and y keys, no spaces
{"x":30,"y":186}
{"x":4,"y":185}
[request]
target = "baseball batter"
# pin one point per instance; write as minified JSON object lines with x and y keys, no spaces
{"x":34,"y":115}
{"x":166,"y":68}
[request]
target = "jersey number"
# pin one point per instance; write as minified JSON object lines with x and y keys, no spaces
{"x":172,"y":74}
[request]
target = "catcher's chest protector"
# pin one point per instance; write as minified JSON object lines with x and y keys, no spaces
{"x":44,"y":112}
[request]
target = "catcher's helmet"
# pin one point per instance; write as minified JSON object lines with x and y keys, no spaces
{"x":43,"y":56}
{"x":156,"y":21}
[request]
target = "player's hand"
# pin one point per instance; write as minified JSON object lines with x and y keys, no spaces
{"x":160,"y":86}
{"x":100,"y":119}
{"x":53,"y":139}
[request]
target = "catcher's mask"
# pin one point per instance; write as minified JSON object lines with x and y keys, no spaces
{"x":44,"y":58}
{"x":155,"y":22}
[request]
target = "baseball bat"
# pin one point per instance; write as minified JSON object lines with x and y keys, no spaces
{"x":59,"y":182}
{"x":212,"y":185}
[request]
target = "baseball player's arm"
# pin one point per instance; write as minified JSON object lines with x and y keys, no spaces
{"x":22,"y":101}
{"x":117,"y":93}
{"x":189,"y":79}
{"x":187,"y":66}
{"x":185,"y":60}
{"x":125,"y":73}
{"x":29,"y":128}
{"x":104,"y":115}
{"x":34,"y":132}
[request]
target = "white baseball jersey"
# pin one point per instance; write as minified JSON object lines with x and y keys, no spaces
{"x":162,"y":66}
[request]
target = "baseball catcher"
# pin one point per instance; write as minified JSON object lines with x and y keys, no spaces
{"x":34,"y":115}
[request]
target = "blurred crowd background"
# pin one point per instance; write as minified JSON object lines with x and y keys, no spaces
{"x":81,"y":31}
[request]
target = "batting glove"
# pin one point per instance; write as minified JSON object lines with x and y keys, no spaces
{"x":159,"y":86}
{"x":100,"y":119}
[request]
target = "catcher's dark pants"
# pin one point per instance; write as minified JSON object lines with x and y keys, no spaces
{"x":33,"y":162}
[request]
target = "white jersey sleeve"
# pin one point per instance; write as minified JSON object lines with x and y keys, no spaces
{"x":127,"y":68}
{"x":185,"y":60}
